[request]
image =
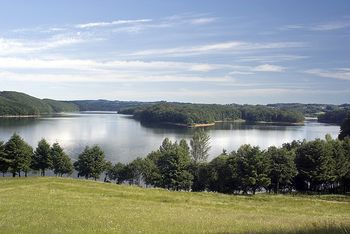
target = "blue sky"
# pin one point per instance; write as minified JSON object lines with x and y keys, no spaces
{"x":190,"y":51}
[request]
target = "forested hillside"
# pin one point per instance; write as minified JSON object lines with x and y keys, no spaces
{"x":190,"y":114}
{"x":15,"y":103}
{"x":61,"y":106}
{"x":104,"y":105}
{"x":335,"y":116}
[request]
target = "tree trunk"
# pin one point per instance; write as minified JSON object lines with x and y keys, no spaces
{"x":13,"y":174}
{"x":25,"y":174}
{"x":277,"y":186}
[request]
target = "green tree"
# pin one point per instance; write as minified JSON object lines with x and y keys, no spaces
{"x":61,"y":162}
{"x":135,"y":171}
{"x":345,"y":129}
{"x":4,"y":161}
{"x":315,"y":165}
{"x":219,"y":174}
{"x":151,"y":173}
{"x":346,"y":147}
{"x":108,"y":167}
{"x":252,"y":168}
{"x":200,"y":173}
{"x":91,"y":162}
{"x":42,"y":158}
{"x":200,"y":146}
{"x":19,"y":155}
{"x":282,"y":167}
{"x":118,"y":173}
{"x":173,"y":166}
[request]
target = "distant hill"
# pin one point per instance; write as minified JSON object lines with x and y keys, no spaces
{"x":61,"y":106}
{"x":19,"y":104}
{"x":198,"y":114}
{"x":16,"y":103}
{"x":105,"y":105}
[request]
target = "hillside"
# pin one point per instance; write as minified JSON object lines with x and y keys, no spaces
{"x":61,"y":106}
{"x":60,"y":205}
{"x":193,"y":114}
{"x":16,"y":103}
{"x":105,"y":105}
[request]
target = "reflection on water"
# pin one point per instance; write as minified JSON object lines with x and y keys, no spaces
{"x":123,"y":138}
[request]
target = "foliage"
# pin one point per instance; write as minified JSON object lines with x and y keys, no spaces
{"x":315,"y":164}
{"x":18,"y":155}
{"x":252,"y":168}
{"x":62,"y":163}
{"x":91,"y":162}
{"x":15,"y":103}
{"x":189,"y":114}
{"x":345,"y":128}
{"x":42,"y":157}
{"x":118,"y":173}
{"x":105,"y":105}
{"x":200,"y":146}
{"x":336,"y":116}
{"x":282,"y":168}
{"x":61,"y":106}
{"x":311,"y":110}
{"x":4,"y":161}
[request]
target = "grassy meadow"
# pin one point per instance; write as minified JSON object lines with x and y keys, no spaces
{"x":64,"y":205}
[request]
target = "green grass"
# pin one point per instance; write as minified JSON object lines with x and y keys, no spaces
{"x":61,"y":205}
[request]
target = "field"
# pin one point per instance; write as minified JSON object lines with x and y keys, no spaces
{"x":63,"y":205}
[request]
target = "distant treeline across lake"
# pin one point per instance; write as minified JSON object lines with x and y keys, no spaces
{"x":20,"y":104}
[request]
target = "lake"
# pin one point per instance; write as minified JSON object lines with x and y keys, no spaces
{"x":123,"y":138}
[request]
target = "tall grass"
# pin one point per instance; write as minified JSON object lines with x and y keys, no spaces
{"x":63,"y":205}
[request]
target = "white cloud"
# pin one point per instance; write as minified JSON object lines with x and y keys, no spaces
{"x":331,"y":26}
{"x":340,"y":74}
{"x":328,"y":26}
{"x":107,"y":77}
{"x":112,"y":23}
{"x":272,"y":58}
{"x":17,"y":46}
{"x":117,"y":65}
{"x":203,"y":20}
{"x":230,"y":46}
{"x":241,"y":73}
{"x":269,"y":68}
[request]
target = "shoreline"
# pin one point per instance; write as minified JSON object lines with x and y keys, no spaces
{"x":18,"y":116}
{"x":198,"y":125}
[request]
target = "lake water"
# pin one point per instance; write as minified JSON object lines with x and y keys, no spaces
{"x":123,"y":138}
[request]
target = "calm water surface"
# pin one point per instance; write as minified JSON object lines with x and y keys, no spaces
{"x":123,"y":138}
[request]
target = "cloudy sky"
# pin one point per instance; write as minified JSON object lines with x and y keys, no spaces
{"x":191,"y":51}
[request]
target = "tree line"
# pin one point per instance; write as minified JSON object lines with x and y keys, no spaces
{"x":305,"y":166}
{"x":189,"y":114}
{"x":321,"y":166}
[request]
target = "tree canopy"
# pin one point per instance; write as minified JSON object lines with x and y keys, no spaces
{"x":91,"y":162}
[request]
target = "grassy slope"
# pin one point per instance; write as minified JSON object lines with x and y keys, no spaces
{"x":55,"y":205}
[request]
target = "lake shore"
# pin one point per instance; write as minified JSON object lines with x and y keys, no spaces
{"x":198,"y":125}
{"x":18,"y":116}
